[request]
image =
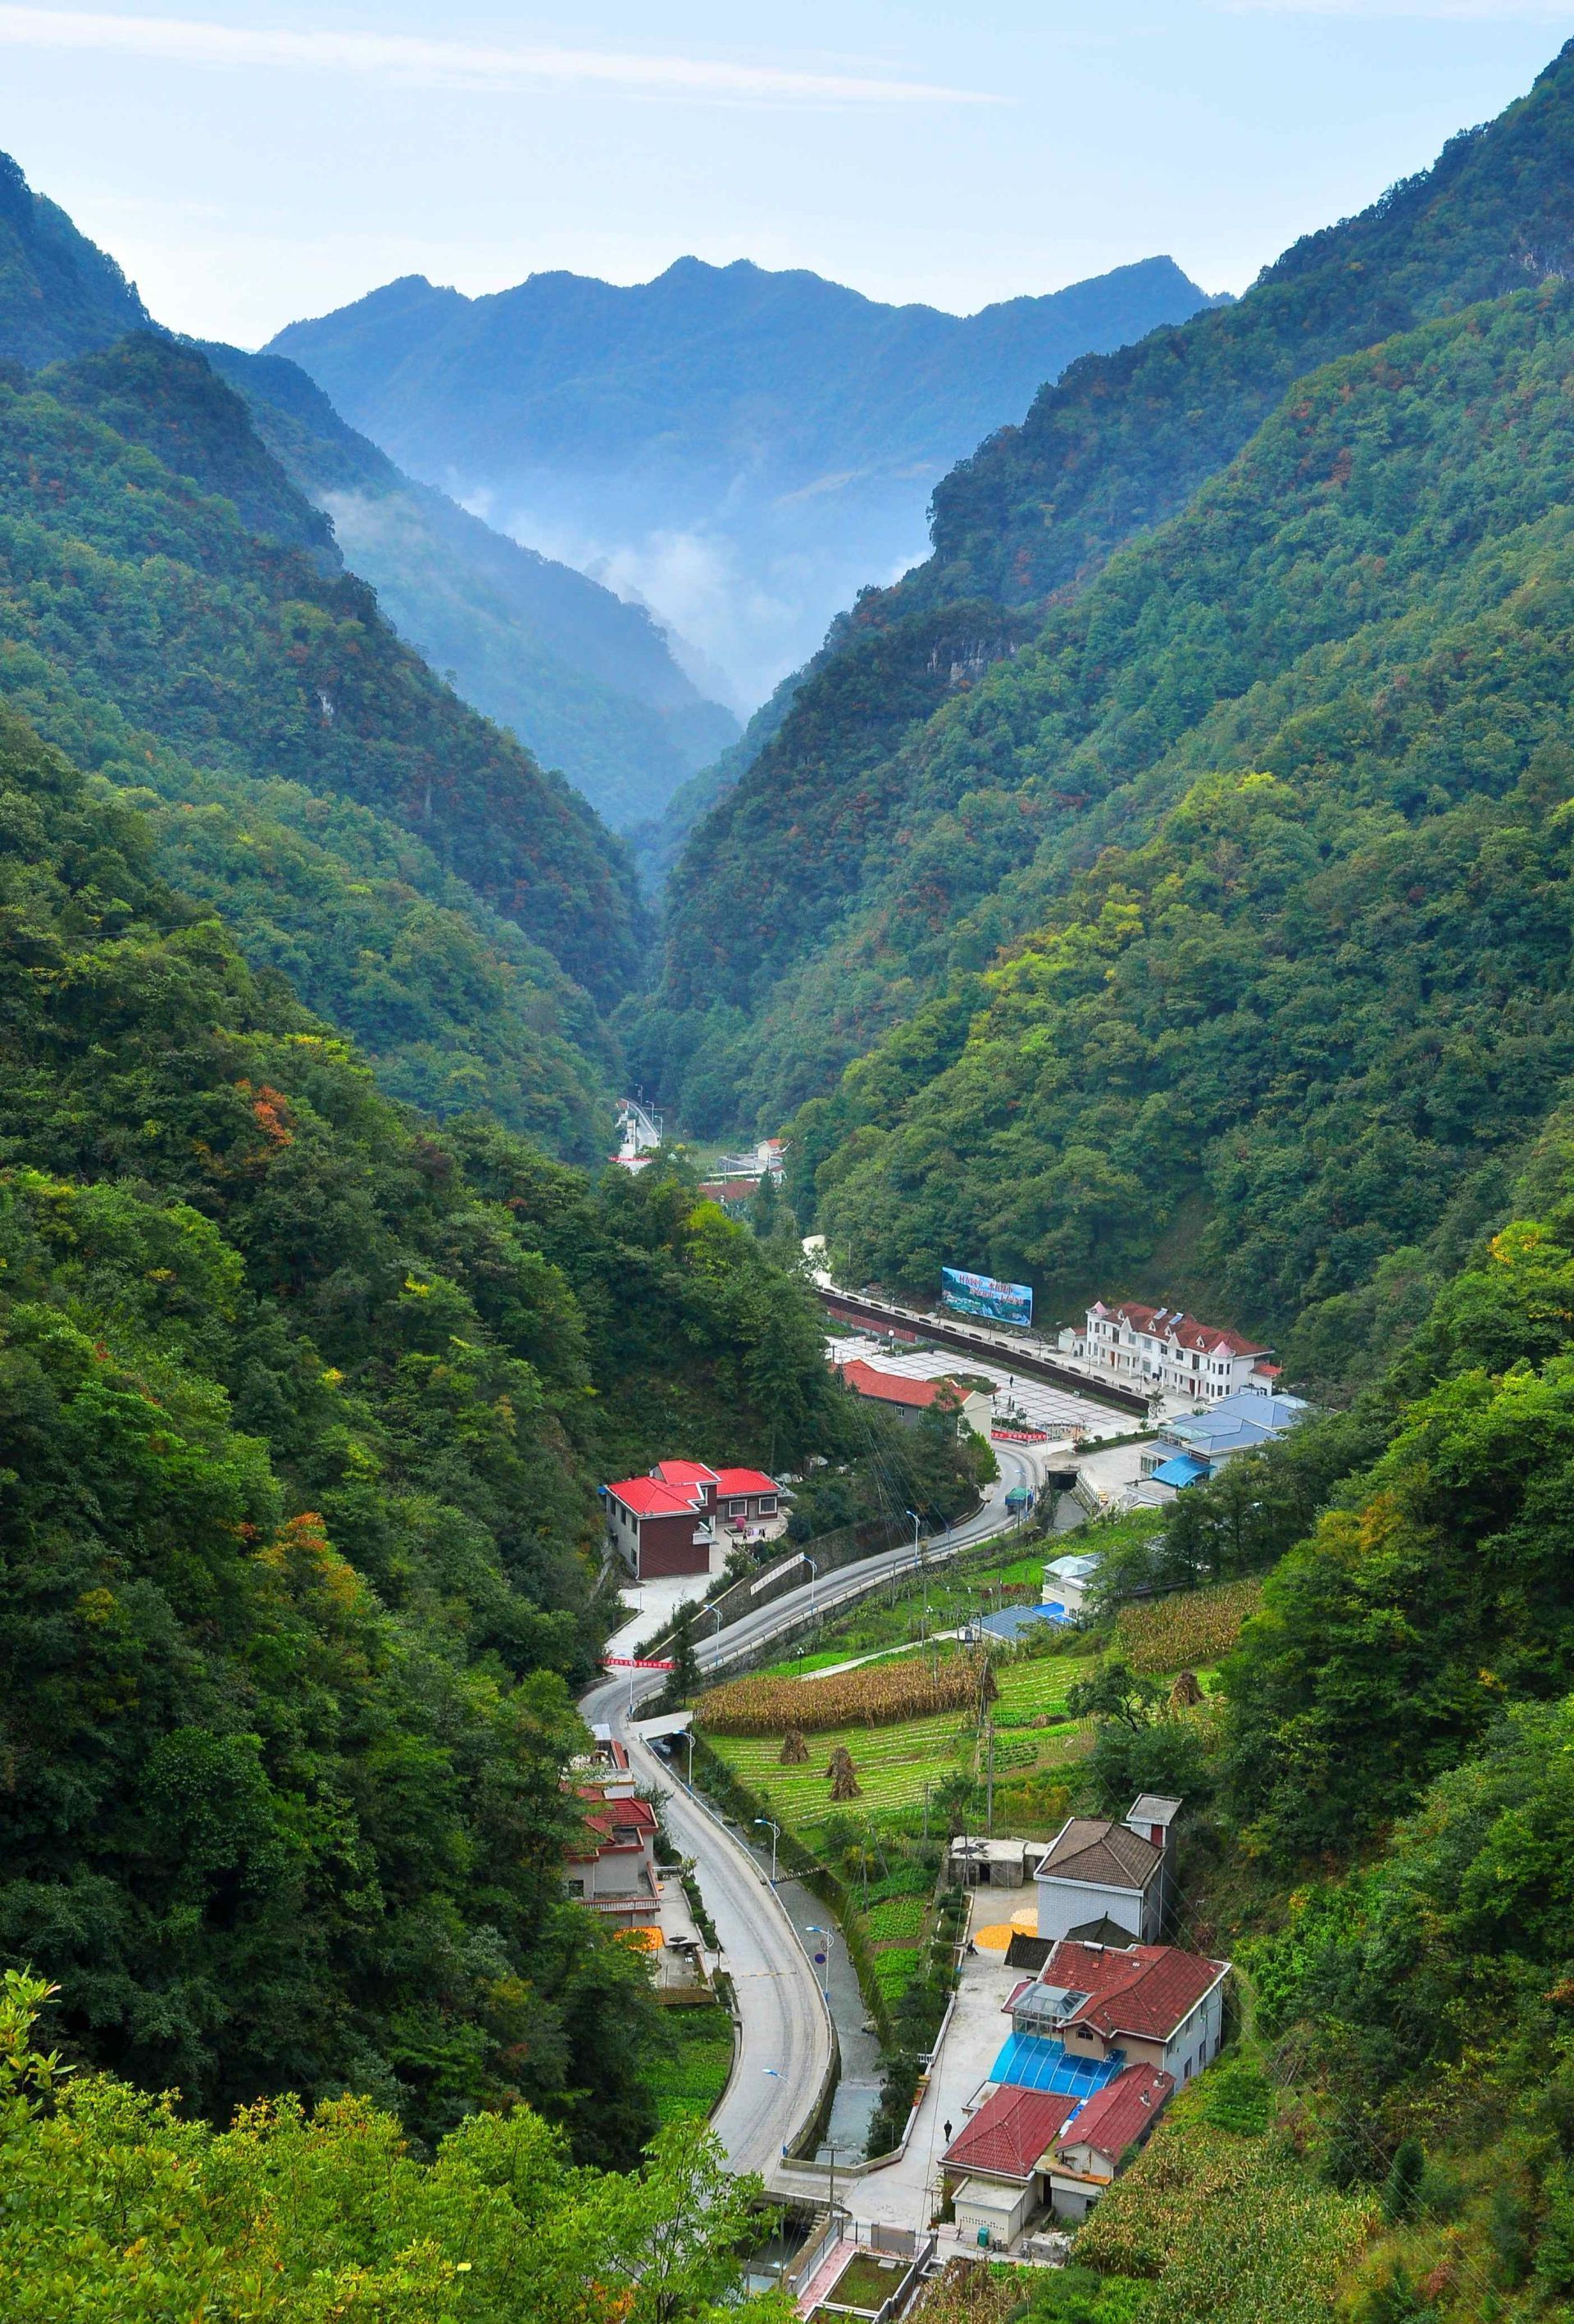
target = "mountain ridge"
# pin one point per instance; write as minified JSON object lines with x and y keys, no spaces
{"x":1119,"y":444}
{"x":713,"y":427}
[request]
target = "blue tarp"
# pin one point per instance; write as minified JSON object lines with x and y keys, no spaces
{"x":1180,"y":1471}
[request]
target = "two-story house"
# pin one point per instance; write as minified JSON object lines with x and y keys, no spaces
{"x":1121,"y":1873}
{"x":612,"y":1867}
{"x":1119,"y":2006}
{"x":1164,"y":1350}
{"x":671,"y":1521}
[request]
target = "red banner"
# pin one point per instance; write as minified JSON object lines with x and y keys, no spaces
{"x":1020,"y":1435}
{"x":631,"y":1661}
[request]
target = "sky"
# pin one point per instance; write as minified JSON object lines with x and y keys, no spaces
{"x":250,"y":163}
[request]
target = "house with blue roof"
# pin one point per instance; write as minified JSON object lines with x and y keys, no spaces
{"x":1188,"y":1450}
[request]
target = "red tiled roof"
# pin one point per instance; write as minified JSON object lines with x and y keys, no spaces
{"x":619,"y":1815}
{"x":646,"y":1498}
{"x":684,"y":1472}
{"x":1172,"y":1323}
{"x":1118,"y":2114}
{"x":744,"y":1480}
{"x":728,"y":1190}
{"x":1149,"y":1990}
{"x":890,"y":1387}
{"x":1009,"y":2131}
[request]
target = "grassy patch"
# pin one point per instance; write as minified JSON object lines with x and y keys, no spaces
{"x":689,"y":2085}
{"x":864,"y":2282}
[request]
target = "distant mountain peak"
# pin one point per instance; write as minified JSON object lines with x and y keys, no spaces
{"x":742,"y":446}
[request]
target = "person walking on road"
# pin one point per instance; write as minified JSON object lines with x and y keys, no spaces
{"x":946,"y":2126}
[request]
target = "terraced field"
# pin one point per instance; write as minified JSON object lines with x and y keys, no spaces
{"x":894,"y":1763}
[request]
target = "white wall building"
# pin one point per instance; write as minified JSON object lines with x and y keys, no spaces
{"x":1122,"y":1873}
{"x":1164,"y":1351}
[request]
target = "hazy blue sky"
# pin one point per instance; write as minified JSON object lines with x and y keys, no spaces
{"x":249,"y":163}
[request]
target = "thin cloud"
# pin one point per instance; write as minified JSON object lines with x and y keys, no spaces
{"x":390,"y":56}
{"x":1457,"y":11}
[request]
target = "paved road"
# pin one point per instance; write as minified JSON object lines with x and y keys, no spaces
{"x":785,"y":2038}
{"x":785,"y":2032}
{"x":1018,"y":1466}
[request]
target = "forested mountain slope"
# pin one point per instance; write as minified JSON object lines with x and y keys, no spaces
{"x":1288,"y":935}
{"x":303,"y":1412}
{"x":173,"y":612}
{"x":743,"y":447}
{"x":587,"y":682}
{"x":832,"y":808}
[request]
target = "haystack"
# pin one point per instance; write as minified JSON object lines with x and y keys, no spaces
{"x":794,"y":1750}
{"x":1185,"y":1691}
{"x":844,"y":1783}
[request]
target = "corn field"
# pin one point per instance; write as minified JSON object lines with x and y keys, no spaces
{"x":1234,"y":2228}
{"x":1193,"y":1626}
{"x":876,"y":1695}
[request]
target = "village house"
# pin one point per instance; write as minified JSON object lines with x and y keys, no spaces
{"x":733,"y":1194}
{"x":971,"y":1400}
{"x":1164,"y":1351}
{"x":1100,"y":2037}
{"x":1124,"y":2004}
{"x":1028,"y":2151}
{"x":1190,"y":1450}
{"x":613,"y":1869}
{"x":1124,"y":1873}
{"x":977,"y":1861}
{"x":670,"y":1521}
{"x":1066,"y":1583}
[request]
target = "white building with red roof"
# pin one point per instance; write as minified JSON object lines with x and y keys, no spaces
{"x":613,"y":1868}
{"x":1163,"y":1350}
{"x":1027,"y":2150}
{"x":672,"y":1520}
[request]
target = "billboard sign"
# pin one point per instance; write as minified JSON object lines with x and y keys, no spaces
{"x":981,"y":1294}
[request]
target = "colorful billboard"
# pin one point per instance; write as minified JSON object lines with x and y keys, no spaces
{"x":981,"y":1294}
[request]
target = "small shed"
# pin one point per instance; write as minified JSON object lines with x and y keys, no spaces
{"x":989,"y":2211}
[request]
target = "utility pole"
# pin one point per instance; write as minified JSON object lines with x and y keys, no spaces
{"x":990,"y":1782}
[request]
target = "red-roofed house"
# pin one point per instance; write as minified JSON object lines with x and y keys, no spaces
{"x":613,"y":1868}
{"x":667,"y":1522}
{"x":1089,"y":2147}
{"x":991,"y":2168}
{"x":909,"y":1399}
{"x":1164,"y":1348}
{"x":1025,"y":2149}
{"x":1147,"y":2005}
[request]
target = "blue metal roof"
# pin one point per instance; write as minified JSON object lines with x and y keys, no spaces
{"x":1182,"y":1471}
{"x":1029,"y":2062}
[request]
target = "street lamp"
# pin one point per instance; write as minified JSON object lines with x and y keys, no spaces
{"x":774,"y":1836}
{"x":815,"y":1930}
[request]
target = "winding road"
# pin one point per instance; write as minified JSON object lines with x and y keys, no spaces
{"x":786,"y":2044}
